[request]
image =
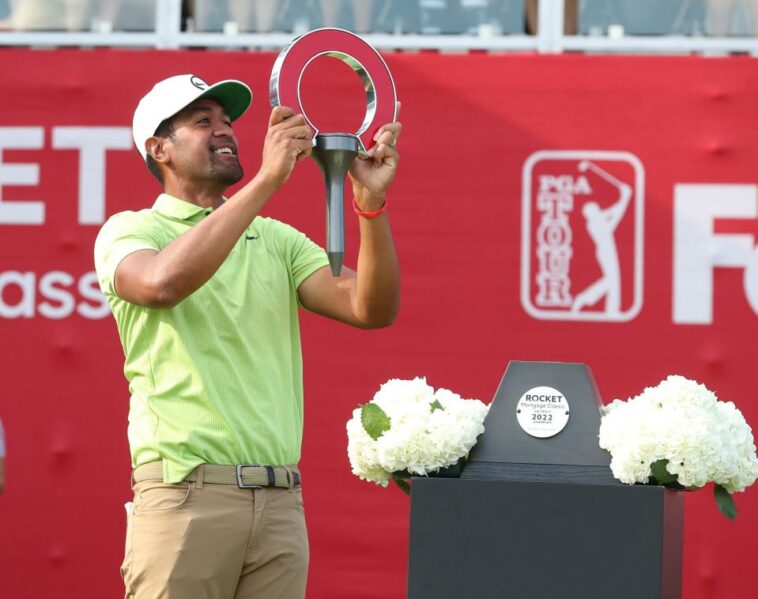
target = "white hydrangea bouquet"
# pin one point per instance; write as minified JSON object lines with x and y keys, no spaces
{"x":679,"y":435}
{"x":411,"y":429}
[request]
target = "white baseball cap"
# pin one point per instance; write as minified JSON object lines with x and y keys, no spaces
{"x":175,"y":93}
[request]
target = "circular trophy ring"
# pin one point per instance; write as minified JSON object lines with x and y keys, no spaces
{"x":359,"y":55}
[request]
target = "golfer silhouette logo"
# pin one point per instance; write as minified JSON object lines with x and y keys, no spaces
{"x":582,"y":234}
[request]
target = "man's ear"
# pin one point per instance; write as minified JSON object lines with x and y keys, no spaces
{"x":156,"y":147}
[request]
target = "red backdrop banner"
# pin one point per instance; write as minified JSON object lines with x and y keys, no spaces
{"x":505,"y":159}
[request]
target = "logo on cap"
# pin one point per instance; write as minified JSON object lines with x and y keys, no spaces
{"x":198,"y":83}
{"x":582,"y":235}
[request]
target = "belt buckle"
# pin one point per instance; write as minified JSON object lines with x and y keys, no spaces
{"x":240,"y":484}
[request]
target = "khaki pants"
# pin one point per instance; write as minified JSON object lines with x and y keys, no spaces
{"x":211,"y":541}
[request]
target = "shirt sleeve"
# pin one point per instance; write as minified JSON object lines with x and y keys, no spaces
{"x":305,"y":257}
{"x":123,"y":234}
{"x":302,"y":255}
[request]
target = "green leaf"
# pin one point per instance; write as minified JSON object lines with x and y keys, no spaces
{"x":404,"y":485}
{"x":725,"y":502}
{"x":375,"y":422}
{"x":436,"y":405}
{"x":663,"y":476}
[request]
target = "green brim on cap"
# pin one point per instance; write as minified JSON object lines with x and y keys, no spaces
{"x":234,"y":96}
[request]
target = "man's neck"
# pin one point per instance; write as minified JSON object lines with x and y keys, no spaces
{"x":206,"y":196}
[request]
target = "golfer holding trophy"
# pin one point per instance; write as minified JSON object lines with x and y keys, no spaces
{"x":205,"y":293}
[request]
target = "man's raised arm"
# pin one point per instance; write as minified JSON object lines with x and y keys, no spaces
{"x":163,"y":279}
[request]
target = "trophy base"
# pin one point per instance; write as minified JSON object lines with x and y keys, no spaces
{"x":334,"y":152}
{"x":335,"y":262}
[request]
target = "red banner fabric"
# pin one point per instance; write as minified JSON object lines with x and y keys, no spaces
{"x":506,"y":161}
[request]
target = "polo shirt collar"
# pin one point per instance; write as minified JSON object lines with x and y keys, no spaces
{"x":178,"y":209}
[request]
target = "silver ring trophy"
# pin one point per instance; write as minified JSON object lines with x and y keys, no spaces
{"x":334,"y":152}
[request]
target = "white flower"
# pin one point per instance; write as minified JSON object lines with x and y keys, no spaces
{"x":703,"y":439}
{"x":428,"y":430}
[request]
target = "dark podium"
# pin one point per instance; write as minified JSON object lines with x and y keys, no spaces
{"x":536,"y":513}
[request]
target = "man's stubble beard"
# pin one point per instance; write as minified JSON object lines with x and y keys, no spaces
{"x":226,"y":174}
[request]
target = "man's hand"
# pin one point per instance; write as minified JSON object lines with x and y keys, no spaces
{"x":372,"y":175}
{"x":288,"y":140}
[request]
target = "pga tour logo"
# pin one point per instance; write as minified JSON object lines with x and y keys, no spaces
{"x":582,"y":235}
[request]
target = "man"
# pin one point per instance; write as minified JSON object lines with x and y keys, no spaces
{"x":205,"y":294}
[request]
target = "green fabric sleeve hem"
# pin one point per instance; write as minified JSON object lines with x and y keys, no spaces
{"x":116,"y":260}
{"x":307,"y":272}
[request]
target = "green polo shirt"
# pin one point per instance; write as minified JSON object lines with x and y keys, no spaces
{"x":218,"y":378}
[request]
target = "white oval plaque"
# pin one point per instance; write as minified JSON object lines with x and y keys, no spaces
{"x":542,"y":412}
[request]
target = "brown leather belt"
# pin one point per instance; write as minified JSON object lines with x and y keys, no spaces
{"x":245,"y":476}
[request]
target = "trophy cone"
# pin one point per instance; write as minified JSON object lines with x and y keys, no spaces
{"x":334,"y":152}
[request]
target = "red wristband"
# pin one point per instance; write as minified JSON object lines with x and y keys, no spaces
{"x":371,"y":214}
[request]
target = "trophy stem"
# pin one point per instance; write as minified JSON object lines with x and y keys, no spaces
{"x":334,"y":152}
